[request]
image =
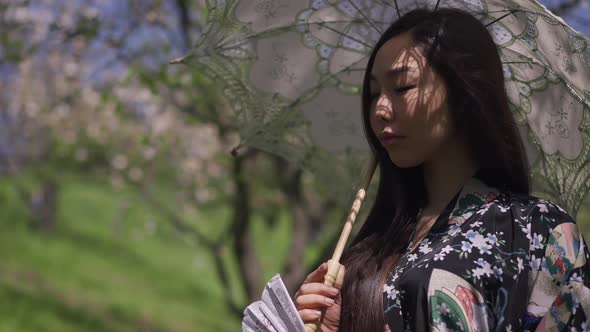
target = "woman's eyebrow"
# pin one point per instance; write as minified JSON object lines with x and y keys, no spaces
{"x":395,"y":71}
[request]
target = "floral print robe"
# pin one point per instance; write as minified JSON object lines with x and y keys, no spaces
{"x":493,"y":261}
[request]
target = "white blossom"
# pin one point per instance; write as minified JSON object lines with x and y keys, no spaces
{"x":576,"y":278}
{"x":425,"y":249}
{"x":520,"y":264}
{"x":392,"y":293}
{"x":543,"y":208}
{"x":466,"y":246}
{"x":535,"y":263}
{"x":492,"y":239}
{"x":443,"y":309}
{"x":537,"y":241}
{"x":447,"y":249}
{"x":439,"y":256}
{"x":484,"y":269}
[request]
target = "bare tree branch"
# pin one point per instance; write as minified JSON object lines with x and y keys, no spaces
{"x":179,"y":224}
{"x":229,"y":294}
{"x":214,"y":247}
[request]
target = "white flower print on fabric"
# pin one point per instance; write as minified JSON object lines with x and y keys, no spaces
{"x":443,"y":309}
{"x":484,"y":268}
{"x":537,"y":242}
{"x":520,"y":264}
{"x":535,"y":263}
{"x":483,"y":210}
{"x":576,"y":278}
{"x":392,"y":293}
{"x":498,"y":272}
{"x":425,"y":247}
{"x":454,"y":230}
{"x":479,"y":241}
{"x":466,"y":246}
{"x":447,"y":249}
{"x":492,"y":239}
{"x":527,"y":230}
{"x":543,"y":208}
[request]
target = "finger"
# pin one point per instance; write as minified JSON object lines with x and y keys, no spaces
{"x":313,"y":301}
{"x":318,"y":274}
{"x":309,"y":315}
{"x":318,"y":288}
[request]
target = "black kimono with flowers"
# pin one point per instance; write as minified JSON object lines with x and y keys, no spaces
{"x":493,"y":261}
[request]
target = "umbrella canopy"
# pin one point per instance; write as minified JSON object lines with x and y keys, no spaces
{"x":293,"y":70}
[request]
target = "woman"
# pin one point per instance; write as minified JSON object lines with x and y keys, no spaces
{"x":454,"y":241}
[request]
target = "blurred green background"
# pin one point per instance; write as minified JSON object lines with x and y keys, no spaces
{"x":122,"y":208}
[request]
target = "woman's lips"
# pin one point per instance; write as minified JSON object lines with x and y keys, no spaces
{"x":389,"y":139}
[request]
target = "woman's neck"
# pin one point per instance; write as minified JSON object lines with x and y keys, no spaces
{"x":446,"y":173}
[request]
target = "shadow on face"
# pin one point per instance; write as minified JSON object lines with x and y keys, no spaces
{"x":409,"y":113}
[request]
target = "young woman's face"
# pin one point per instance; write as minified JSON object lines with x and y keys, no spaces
{"x":409,"y":112}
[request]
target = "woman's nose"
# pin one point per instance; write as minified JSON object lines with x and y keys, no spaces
{"x":383,"y":110}
{"x":384,"y":115}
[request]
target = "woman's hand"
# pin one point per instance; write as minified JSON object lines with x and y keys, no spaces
{"x":313,"y":295}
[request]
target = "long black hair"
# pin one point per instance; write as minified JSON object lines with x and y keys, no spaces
{"x":460,"y":49}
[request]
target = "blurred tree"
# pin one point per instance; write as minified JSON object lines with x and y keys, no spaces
{"x":92,"y":94}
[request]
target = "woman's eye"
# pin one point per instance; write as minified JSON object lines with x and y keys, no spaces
{"x":399,"y":91}
{"x":404,"y":89}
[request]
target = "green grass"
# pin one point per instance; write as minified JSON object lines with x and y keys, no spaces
{"x":94,"y":275}
{"x":102,"y":270}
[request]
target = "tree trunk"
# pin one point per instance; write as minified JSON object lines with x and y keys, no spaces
{"x":291,"y":183}
{"x":43,"y":206}
{"x":243,"y":246}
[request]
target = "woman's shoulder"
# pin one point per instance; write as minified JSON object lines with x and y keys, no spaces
{"x":536,"y":214}
{"x":531,"y":206}
{"x":545,"y":221}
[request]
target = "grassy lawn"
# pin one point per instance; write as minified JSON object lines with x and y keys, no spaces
{"x":103,"y":270}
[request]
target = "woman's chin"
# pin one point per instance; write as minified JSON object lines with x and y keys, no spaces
{"x":404,"y":163}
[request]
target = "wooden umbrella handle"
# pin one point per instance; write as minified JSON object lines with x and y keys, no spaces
{"x":334,"y":265}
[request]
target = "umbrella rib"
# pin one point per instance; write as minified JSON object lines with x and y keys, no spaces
{"x":236,"y":39}
{"x":320,"y":83}
{"x":436,"y":6}
{"x":390,"y":6}
{"x":345,"y":35}
{"x":365,"y":17}
{"x":501,"y":17}
{"x":397,"y":9}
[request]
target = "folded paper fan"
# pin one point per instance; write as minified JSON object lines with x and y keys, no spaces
{"x":275,"y":312}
